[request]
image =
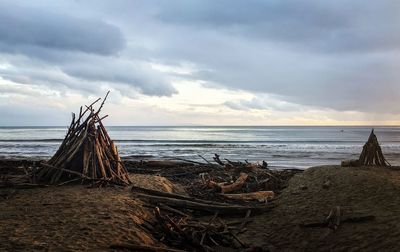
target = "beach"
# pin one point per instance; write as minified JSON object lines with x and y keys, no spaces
{"x":204,"y":126}
{"x":87,"y":197}
{"x":81,"y":218}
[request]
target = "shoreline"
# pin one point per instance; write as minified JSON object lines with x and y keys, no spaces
{"x":134,"y":160}
{"x":284,"y":147}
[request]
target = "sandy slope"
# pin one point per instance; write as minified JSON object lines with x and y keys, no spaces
{"x":358,"y":191}
{"x":75,"y":218}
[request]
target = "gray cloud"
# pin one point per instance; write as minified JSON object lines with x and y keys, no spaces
{"x":34,"y":27}
{"x":264,"y":103}
{"x":312,"y":25}
{"x":333,"y":54}
{"x":78,"y":51}
{"x":131,"y":73}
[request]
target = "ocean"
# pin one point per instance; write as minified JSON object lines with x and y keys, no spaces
{"x":280,"y":146}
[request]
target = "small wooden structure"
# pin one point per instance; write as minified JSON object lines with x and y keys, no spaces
{"x":372,"y":152}
{"x":87,"y":153}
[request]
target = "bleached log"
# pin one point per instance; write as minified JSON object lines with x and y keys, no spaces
{"x":261,"y":196}
{"x":224,"y":188}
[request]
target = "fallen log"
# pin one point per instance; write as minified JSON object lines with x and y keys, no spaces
{"x":163,"y":163}
{"x":261,"y":196}
{"x":349,"y":219}
{"x":209,"y":208}
{"x":148,"y":248}
{"x":351,"y":163}
{"x":182,"y":174}
{"x":22,"y":185}
{"x":173,"y":195}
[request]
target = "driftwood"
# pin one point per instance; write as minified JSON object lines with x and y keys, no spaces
{"x":245,"y":166}
{"x":261,"y":196}
{"x":172,"y":195}
{"x":87,"y":152}
{"x":144,"y":248}
{"x":21,"y":185}
{"x":336,"y":217}
{"x":351,"y":219}
{"x":223,"y":188}
{"x":372,"y":152}
{"x":207,"y":208}
{"x":351,"y":163}
{"x":195,"y":235}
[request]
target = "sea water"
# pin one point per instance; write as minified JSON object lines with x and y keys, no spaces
{"x":280,"y":146}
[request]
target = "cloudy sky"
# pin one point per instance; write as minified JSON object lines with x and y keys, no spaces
{"x":206,"y":62}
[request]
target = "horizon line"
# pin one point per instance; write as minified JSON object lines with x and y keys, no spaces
{"x":182,"y":125}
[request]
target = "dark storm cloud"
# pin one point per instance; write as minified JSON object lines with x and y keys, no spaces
{"x":27,"y":27}
{"x":63,"y":49}
{"x":313,"y":25}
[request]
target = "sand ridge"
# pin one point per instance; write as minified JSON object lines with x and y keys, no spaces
{"x":76,"y":218}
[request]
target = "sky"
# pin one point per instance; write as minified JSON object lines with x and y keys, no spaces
{"x":205,"y":62}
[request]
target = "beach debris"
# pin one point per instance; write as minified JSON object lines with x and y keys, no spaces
{"x":180,"y":223}
{"x":224,"y":188}
{"x":206,"y":207}
{"x":351,"y":163}
{"x":87,"y":153}
{"x":237,"y":191}
{"x":303,"y":187}
{"x":326,"y":184}
{"x":206,"y":180}
{"x":372,"y":152}
{"x":136,"y":247}
{"x":261,"y":196}
{"x":336,"y":217}
{"x":196,"y":235}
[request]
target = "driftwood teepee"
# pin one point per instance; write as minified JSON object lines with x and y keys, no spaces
{"x":87,"y":153}
{"x":372,"y":152}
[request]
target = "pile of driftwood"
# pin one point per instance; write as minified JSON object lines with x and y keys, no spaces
{"x":240,"y":181}
{"x":216,"y":188}
{"x":177,"y":201}
{"x":176,"y":223}
{"x":371,"y":154}
{"x":15,"y":174}
{"x":196,"y":235}
{"x":87,"y":153}
{"x":217,"y":180}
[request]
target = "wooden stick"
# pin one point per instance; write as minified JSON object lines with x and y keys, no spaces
{"x":174,"y":196}
{"x":211,"y":208}
{"x":148,"y":248}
